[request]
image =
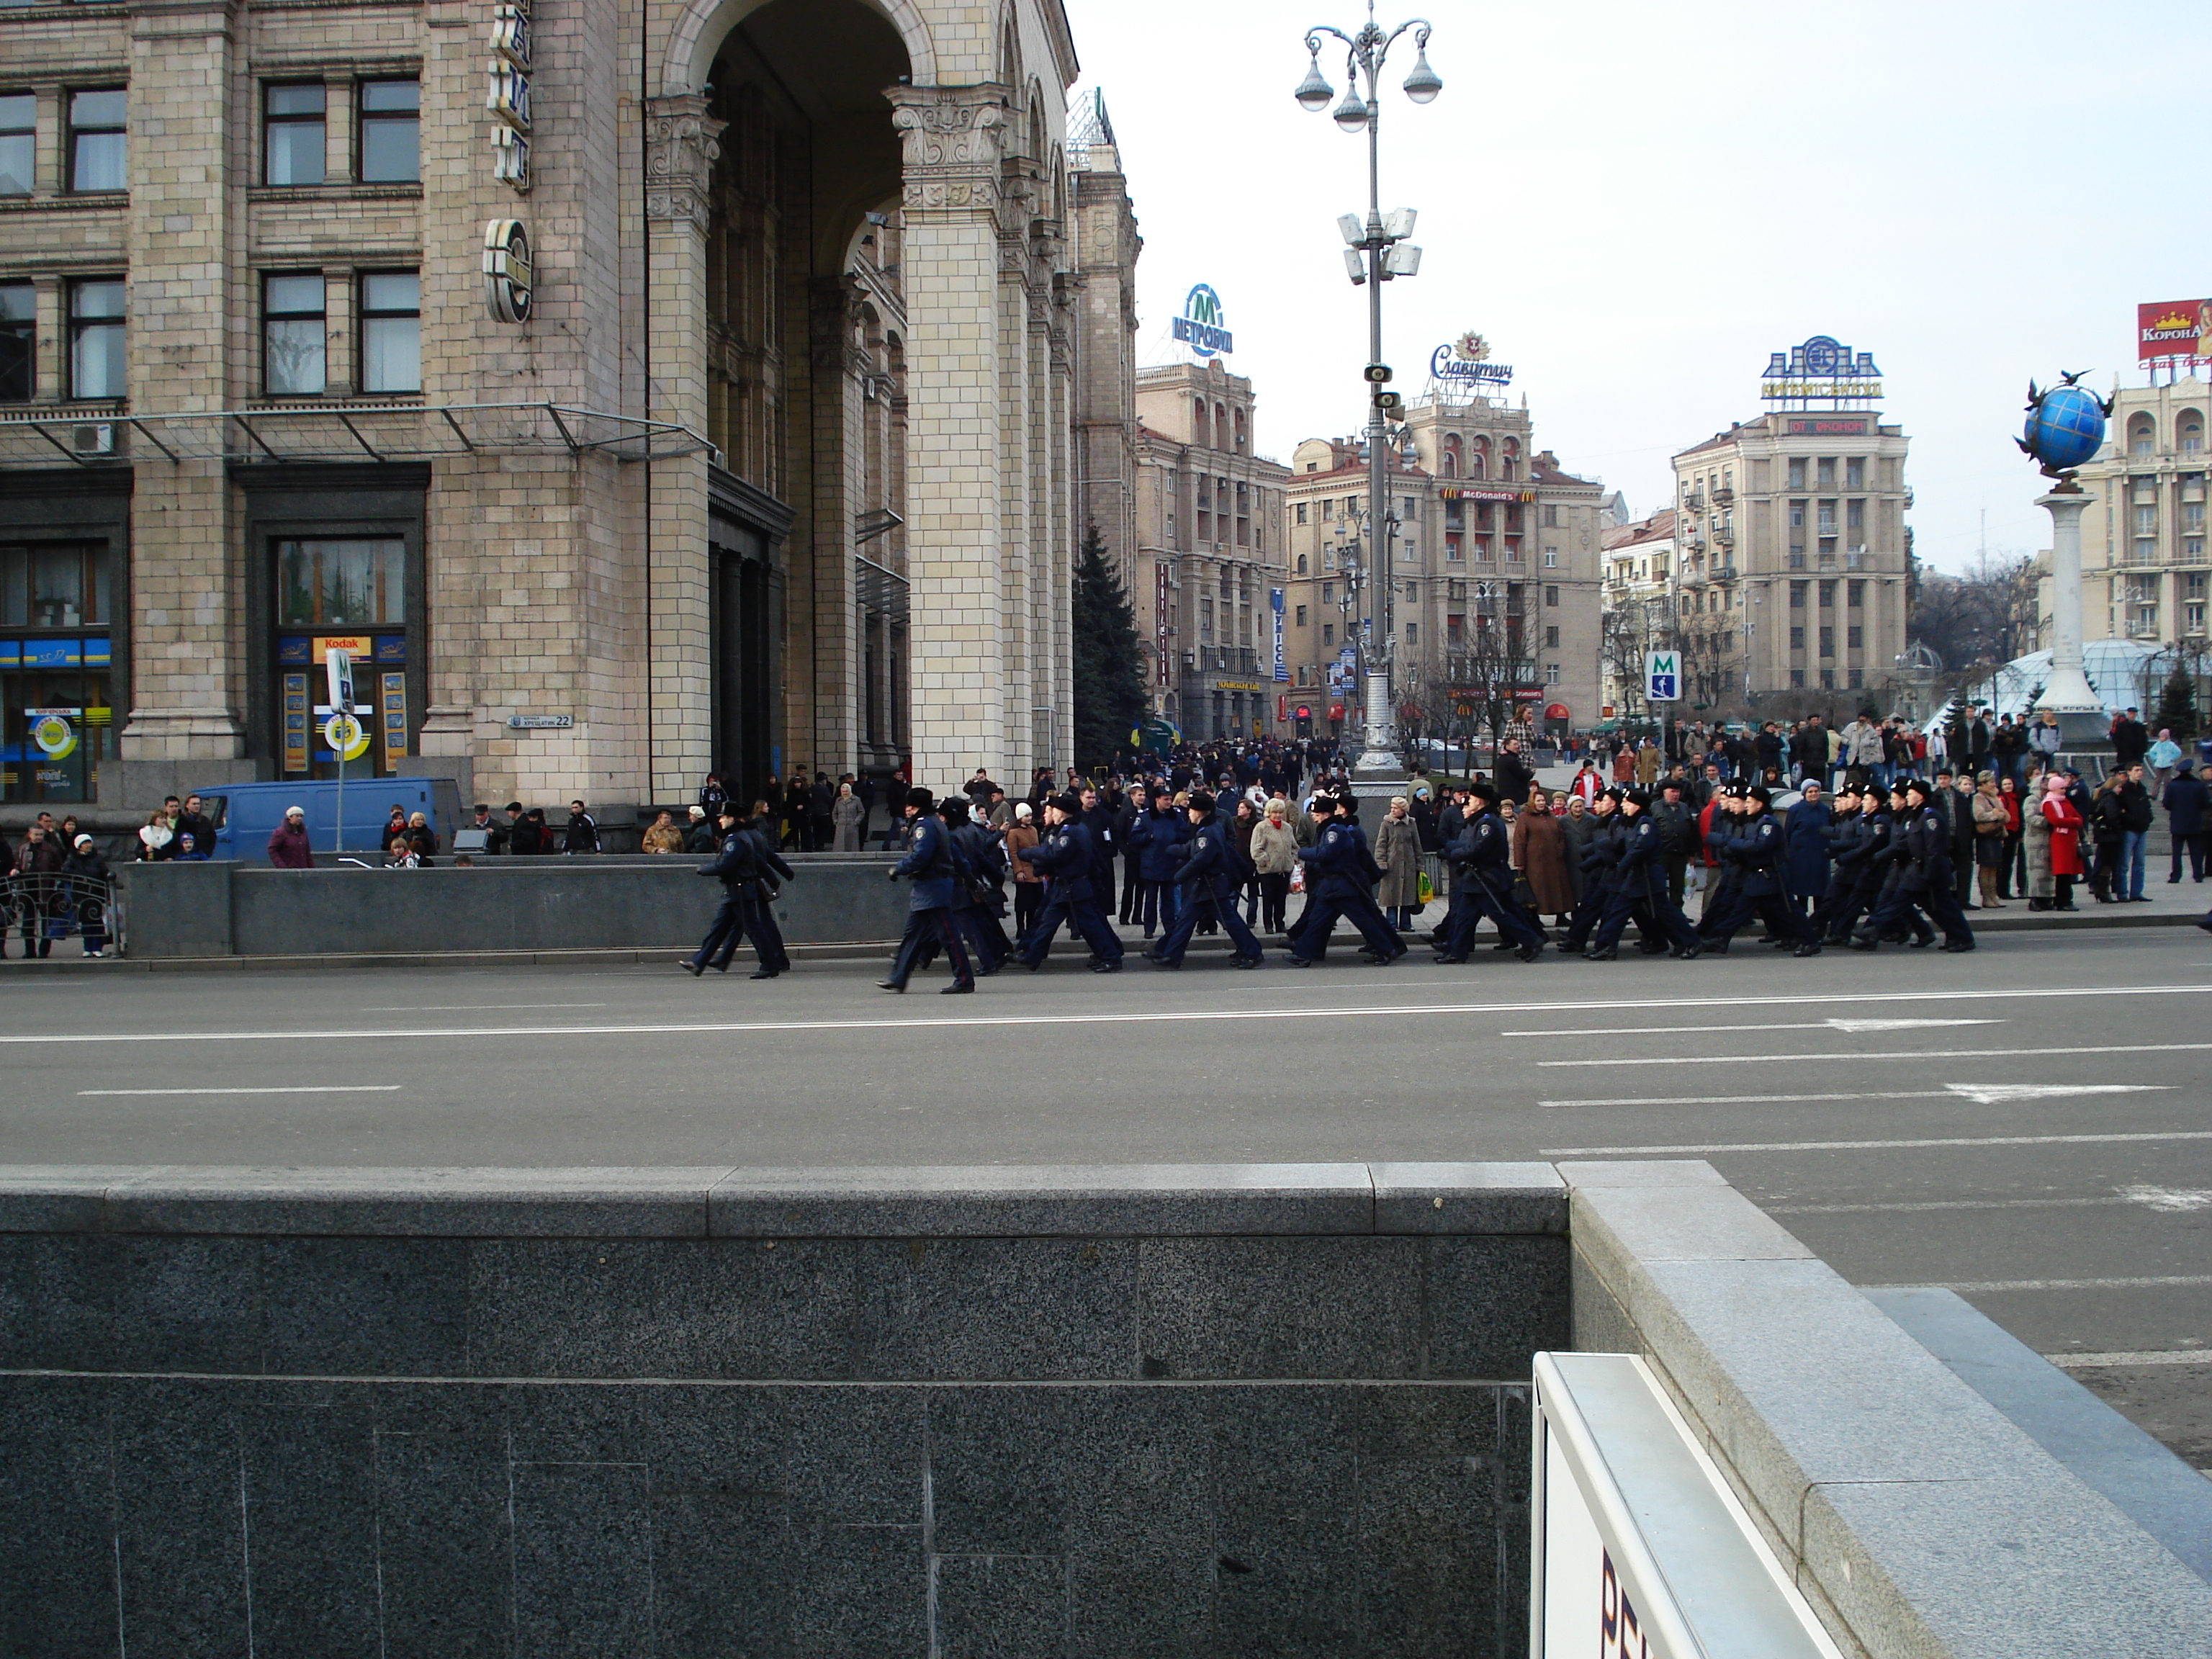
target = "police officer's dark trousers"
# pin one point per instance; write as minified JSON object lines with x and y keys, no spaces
{"x":1356,"y":909}
{"x":1178,"y":937}
{"x":927,"y":932}
{"x":1513,"y":923}
{"x":1652,"y":914}
{"x":1083,"y":914}
{"x":736,"y":916}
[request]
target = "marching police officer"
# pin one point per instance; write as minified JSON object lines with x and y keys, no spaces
{"x":1341,"y":877}
{"x":1481,"y":862}
{"x":1064,"y":857}
{"x":1640,"y":887}
{"x":1924,"y":876}
{"x":1598,"y":858}
{"x":1753,"y":844}
{"x":737,"y":866}
{"x":1208,"y":881}
{"x":930,"y":865}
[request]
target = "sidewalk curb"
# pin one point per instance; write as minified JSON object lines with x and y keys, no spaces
{"x":842,"y":950}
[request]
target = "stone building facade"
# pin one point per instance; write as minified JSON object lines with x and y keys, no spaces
{"x":1211,"y":546}
{"x":1792,"y":557}
{"x":1494,"y":563}
{"x":690,"y":388}
{"x":1641,"y":600}
{"x":2144,"y":569}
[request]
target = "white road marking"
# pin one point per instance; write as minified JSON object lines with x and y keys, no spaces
{"x":1996,"y":1094}
{"x":1869,"y":1145}
{"x":1930,"y":1205}
{"x":1858,"y":1057}
{"x":1190,"y":1015}
{"x":282,"y":1088}
{"x":1994,"y":1287}
{"x":1856,"y":1027}
{"x":471,"y":1007}
{"x":2168,"y":1200}
{"x":2075,"y":1362}
{"x":1751,"y":1100}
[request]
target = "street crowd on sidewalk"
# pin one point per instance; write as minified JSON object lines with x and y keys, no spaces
{"x":1858,"y":837}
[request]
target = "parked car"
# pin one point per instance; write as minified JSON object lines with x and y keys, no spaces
{"x":246,"y":814}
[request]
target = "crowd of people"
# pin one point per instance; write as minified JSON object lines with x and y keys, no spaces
{"x":1220,"y":840}
{"x":57,"y":882}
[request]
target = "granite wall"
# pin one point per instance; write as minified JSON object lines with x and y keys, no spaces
{"x":1042,"y":1412}
{"x":500,"y":904}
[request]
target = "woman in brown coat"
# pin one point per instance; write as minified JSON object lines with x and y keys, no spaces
{"x":1398,"y":850}
{"x":1540,"y":848}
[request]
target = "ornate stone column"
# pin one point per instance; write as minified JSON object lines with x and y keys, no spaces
{"x":682,"y":145}
{"x":955,"y":373}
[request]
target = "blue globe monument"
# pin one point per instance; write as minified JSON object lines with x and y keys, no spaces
{"x":2065,"y":429}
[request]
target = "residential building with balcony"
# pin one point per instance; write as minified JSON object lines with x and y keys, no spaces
{"x":1210,"y":551}
{"x":2144,"y":568}
{"x":1642,"y":598}
{"x":1792,"y":557}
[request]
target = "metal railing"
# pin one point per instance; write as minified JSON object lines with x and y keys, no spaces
{"x":42,"y":909}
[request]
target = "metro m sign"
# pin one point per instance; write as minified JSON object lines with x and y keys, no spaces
{"x":1663,"y":676}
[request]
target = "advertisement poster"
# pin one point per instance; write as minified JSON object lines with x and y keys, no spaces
{"x":2173,"y":328}
{"x":1275,"y":604}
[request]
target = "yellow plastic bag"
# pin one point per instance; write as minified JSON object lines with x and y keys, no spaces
{"x":1427,"y":888}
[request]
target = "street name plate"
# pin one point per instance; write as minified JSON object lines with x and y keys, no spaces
{"x":540,"y":722}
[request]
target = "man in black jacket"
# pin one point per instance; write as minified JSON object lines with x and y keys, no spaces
{"x":1513,"y":777}
{"x":2136,"y":817}
{"x":2185,"y":798}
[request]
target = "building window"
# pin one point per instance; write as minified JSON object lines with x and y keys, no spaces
{"x":1329,"y":593}
{"x":1855,"y":472}
{"x":1302,"y":512}
{"x":1551,"y":558}
{"x":1413,"y":633}
{"x":1856,"y":679}
{"x":1329,"y":632}
{"x":2195,"y":613}
{"x":1797,"y":636}
{"x":1827,"y":642}
{"x":342,"y":584}
{"x":1798,"y":473}
{"x":1797,"y":596}
{"x":1551,"y":673}
{"x":1551,"y":594}
{"x":392,"y":332}
{"x":96,"y":338}
{"x":1797,"y":679}
{"x":292,"y":133}
{"x":1552,"y":639}
{"x":1825,"y":476}
{"x":1857,"y":595}
{"x":1301,"y":564}
{"x":1855,"y":637}
{"x":18,"y":341}
{"x":293,"y":332}
{"x":1454,"y":630}
{"x":1551,"y":516}
{"x":1302,"y":616}
{"x":19,"y":143}
{"x":98,"y":151}
{"x":1512,"y":549}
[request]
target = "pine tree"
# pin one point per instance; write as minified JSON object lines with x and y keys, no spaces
{"x":2177,"y":706}
{"x":1108,"y":688}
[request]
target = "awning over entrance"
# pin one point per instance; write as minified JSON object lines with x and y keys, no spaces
{"x":337,"y":431}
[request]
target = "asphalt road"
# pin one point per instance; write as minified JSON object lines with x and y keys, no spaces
{"x":2028,"y":1124}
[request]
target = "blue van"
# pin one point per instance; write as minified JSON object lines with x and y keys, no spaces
{"x":246,"y":814}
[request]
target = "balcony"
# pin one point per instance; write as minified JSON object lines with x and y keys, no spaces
{"x":1694,"y":502}
{"x":1724,"y":496}
{"x":1725,"y":537}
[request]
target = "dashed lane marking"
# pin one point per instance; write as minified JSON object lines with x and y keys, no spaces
{"x":1998,"y":1287}
{"x":2078,"y":1361}
{"x":285,"y":1089}
{"x":1854,"y":1027}
{"x":1871,"y":1145}
{"x":2036,"y":1054}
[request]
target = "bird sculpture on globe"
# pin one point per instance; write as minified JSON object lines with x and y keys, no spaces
{"x":2065,"y":426}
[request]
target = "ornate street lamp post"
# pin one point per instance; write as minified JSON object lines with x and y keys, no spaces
{"x":1376,"y":251}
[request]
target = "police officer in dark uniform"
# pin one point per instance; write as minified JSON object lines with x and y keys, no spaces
{"x":1341,"y":877}
{"x":930,"y":865}
{"x":738,"y":868}
{"x":1925,"y":876}
{"x":1640,"y":887}
{"x":1599,"y":857}
{"x":1209,"y":881}
{"x":1892,"y":901}
{"x":765,"y":929}
{"x":1862,"y":862}
{"x":1481,"y":862}
{"x":1064,"y":857}
{"x":981,"y":864}
{"x":1753,"y":844}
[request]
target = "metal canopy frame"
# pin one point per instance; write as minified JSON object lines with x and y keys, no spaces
{"x":277,"y":433}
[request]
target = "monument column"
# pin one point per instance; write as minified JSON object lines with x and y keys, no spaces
{"x":2068,"y":693}
{"x":955,"y":361}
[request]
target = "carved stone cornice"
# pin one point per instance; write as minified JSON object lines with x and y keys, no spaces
{"x":682,"y":144}
{"x":952,"y":140}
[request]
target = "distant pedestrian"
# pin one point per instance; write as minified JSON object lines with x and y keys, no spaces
{"x":288,"y":842}
{"x":848,"y":818}
{"x":664,"y":836}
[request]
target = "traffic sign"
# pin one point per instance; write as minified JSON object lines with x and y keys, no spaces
{"x":347,"y":737}
{"x":1663,"y":676}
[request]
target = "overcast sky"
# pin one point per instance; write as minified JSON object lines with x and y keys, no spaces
{"x":1637,"y":202}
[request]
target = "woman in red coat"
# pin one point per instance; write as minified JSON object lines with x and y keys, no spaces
{"x":2065,"y":839}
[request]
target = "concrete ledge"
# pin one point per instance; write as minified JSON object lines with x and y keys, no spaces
{"x":2160,"y":1493}
{"x":1029,"y":1201}
{"x":1917,"y":1519}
